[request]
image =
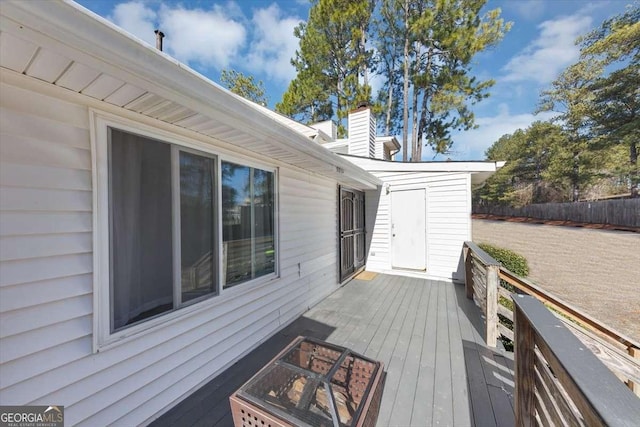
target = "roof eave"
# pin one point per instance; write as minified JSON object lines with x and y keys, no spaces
{"x":128,"y":58}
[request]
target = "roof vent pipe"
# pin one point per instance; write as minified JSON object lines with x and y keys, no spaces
{"x":159,"y":37}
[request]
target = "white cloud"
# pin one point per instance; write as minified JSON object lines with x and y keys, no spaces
{"x":471,"y":145}
{"x":137,"y":19}
{"x":554,"y":49}
{"x":205,"y":37}
{"x":273,"y":44}
{"x":527,"y":9}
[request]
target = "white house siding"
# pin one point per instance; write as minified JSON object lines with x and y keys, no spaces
{"x":362,"y":130}
{"x":448,"y":220}
{"x":46,"y":280}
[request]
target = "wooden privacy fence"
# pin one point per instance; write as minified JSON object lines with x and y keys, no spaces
{"x":486,"y":281}
{"x":621,"y":212}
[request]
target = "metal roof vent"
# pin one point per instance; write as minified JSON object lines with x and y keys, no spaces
{"x":159,"y":37}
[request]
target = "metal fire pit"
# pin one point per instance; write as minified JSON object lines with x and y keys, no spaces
{"x":311,"y":383}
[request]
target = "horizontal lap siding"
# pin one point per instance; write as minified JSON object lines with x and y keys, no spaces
{"x":46,"y":280}
{"x":377,"y":221}
{"x":448,"y":219}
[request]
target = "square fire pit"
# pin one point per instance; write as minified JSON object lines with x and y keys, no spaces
{"x":311,"y":383}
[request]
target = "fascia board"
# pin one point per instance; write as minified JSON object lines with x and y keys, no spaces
{"x":375,"y":165}
{"x":96,"y":42}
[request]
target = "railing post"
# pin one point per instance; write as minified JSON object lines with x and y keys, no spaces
{"x":524,"y":347}
{"x":468,"y":272}
{"x":635,"y":387}
{"x":493,"y":279}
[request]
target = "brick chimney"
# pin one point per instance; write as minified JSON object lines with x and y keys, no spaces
{"x":362,"y":132}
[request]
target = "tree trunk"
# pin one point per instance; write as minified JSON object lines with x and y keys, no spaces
{"x":423,"y":123}
{"x":405,"y":94}
{"x":365,"y":71}
{"x":387,"y":121}
{"x":414,"y":125}
{"x":575,"y":177}
{"x":633,"y":175}
{"x":338,"y":105}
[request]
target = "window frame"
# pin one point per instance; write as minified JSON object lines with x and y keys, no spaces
{"x":224,"y":285}
{"x":100,"y":122}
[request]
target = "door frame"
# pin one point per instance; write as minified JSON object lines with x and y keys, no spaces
{"x":351,"y":232}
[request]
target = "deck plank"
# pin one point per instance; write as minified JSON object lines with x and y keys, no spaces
{"x":362,"y":341}
{"x":397,"y":351}
{"x":442,"y":397}
{"x":480,"y":401}
{"x":403,"y":404}
{"x":439,"y":370}
{"x":489,"y":372}
{"x":422,"y":412}
{"x":360,"y":307}
{"x":459,"y":389}
{"x":358,"y":332}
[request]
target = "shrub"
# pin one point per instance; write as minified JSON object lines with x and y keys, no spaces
{"x":510,"y":260}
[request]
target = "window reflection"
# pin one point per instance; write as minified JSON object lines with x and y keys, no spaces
{"x":263,"y":211}
{"x":196,"y":225}
{"x":247,"y":223}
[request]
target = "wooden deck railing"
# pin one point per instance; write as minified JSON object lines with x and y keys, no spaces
{"x":486,"y":282}
{"x":557,"y":382}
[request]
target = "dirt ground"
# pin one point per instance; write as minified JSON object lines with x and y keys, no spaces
{"x":596,"y":270}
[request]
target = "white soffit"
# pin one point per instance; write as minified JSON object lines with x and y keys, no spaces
{"x":63,"y":44}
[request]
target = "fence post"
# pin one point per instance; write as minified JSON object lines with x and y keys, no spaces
{"x":524,"y":347}
{"x":468,"y":272}
{"x":493,"y":280}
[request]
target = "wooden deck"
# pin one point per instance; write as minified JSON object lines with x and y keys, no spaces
{"x":427,"y":334}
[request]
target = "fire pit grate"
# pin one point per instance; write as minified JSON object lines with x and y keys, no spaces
{"x":311,"y":383}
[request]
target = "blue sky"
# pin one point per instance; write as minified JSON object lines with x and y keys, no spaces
{"x":256,"y":37}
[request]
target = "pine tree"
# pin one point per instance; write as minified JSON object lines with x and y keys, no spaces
{"x":243,"y":85}
{"x":439,"y":39}
{"x":332,"y":62}
{"x":616,"y":96}
{"x":448,"y":34}
{"x":571,"y":96}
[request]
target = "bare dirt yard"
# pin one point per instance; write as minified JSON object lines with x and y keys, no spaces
{"x":595,"y":270}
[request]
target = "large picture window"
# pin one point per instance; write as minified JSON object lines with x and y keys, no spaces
{"x":175,"y":227}
{"x":248,"y":212}
{"x":155,"y":189}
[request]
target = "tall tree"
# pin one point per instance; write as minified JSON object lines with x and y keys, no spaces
{"x":571,"y":96}
{"x":439,"y":39}
{"x":245,"y":86}
{"x":389,"y":30}
{"x":448,"y":34}
{"x":527,"y":176}
{"x":332,"y":62}
{"x":616,"y":96}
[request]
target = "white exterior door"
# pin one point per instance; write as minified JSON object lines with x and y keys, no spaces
{"x":408,"y":229}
